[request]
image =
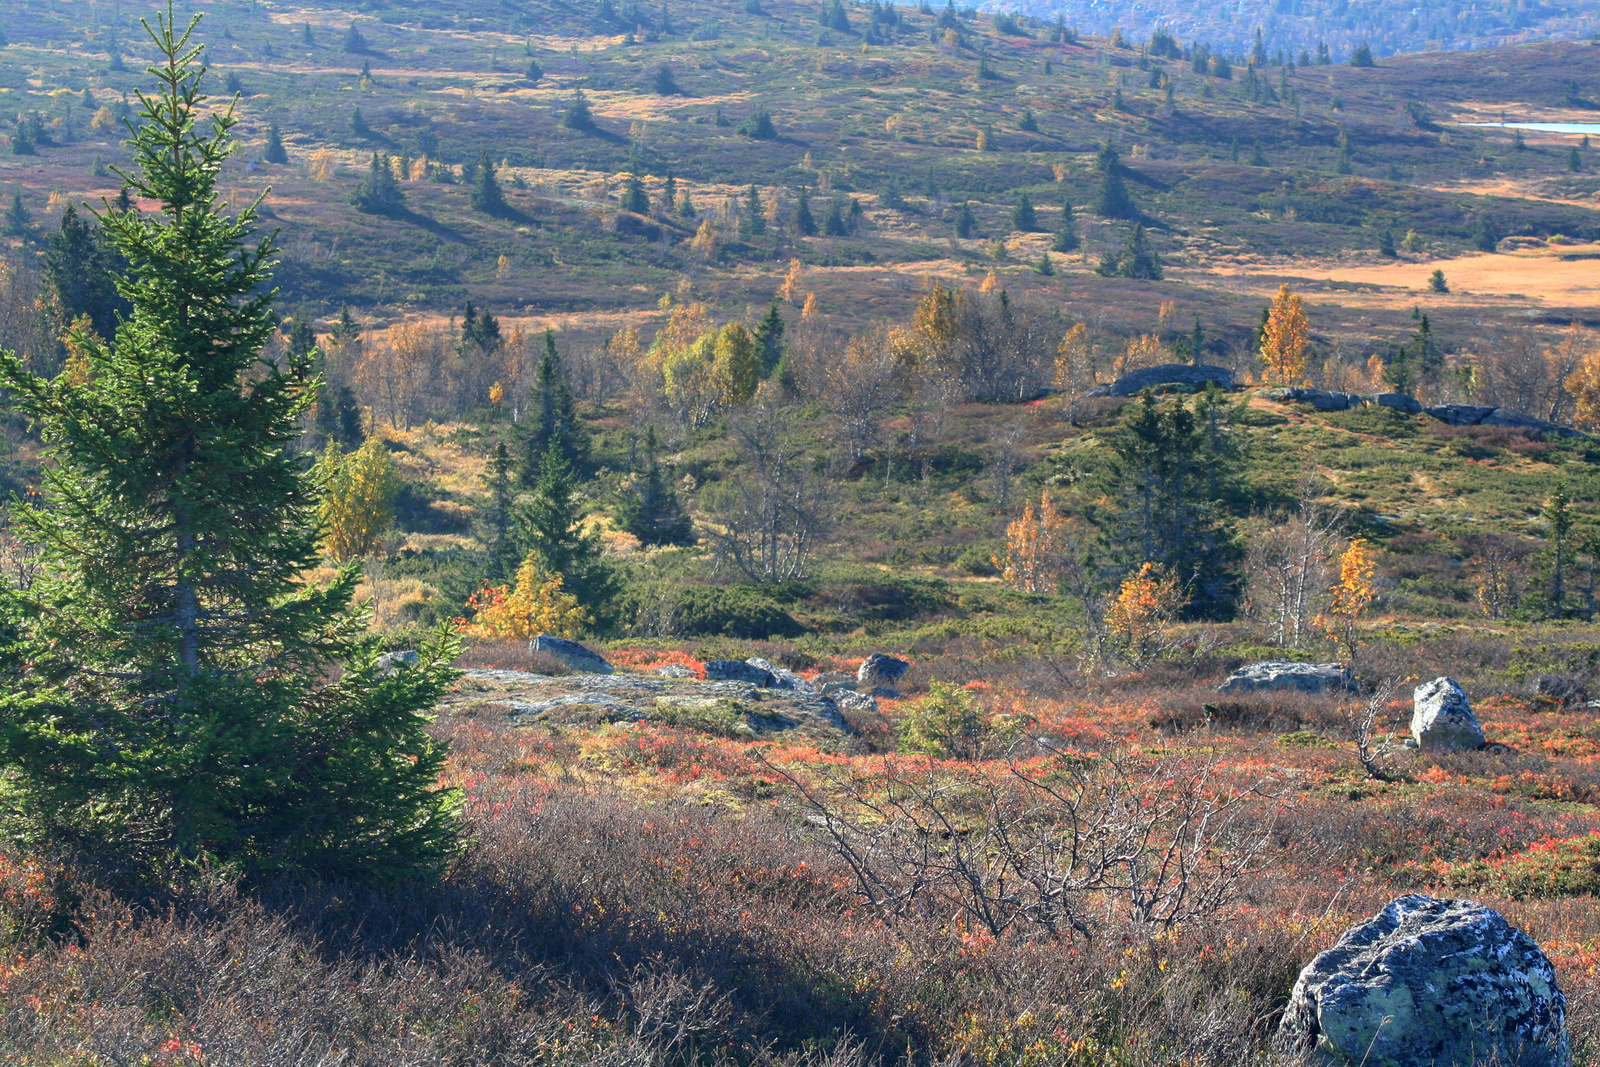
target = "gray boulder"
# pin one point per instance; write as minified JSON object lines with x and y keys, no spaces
{"x":783,"y":679}
{"x":828,"y":681}
{"x":1502,"y":417}
{"x":390,"y":662}
{"x":1404,"y":403}
{"x":1562,"y":690}
{"x":1320,"y":399}
{"x":737,"y":670}
{"x":1185,"y":375}
{"x":1442,"y":719}
{"x":574,"y":655}
{"x":1460,"y":414}
{"x":853,"y":701}
{"x":675,"y":670}
{"x":1429,"y":983}
{"x":880,"y":670}
{"x":1279,"y":674}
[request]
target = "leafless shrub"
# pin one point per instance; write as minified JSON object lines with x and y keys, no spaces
{"x":1363,"y":725}
{"x":1051,"y":848}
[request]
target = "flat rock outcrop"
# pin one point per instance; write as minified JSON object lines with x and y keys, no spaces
{"x":729,"y":708}
{"x":1429,"y":983}
{"x":1282,"y":674}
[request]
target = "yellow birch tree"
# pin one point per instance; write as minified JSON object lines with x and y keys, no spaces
{"x":1286,"y":336}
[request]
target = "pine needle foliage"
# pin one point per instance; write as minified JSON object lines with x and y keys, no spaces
{"x":174,"y":693}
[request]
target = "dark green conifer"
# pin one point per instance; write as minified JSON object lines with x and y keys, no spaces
{"x":486,"y":196}
{"x":651,"y":509}
{"x":1023,"y":217}
{"x":553,"y":418}
{"x":274,"y":152}
{"x":805,"y":223}
{"x":175,"y":694}
{"x":81,"y":270}
{"x":379,"y":192}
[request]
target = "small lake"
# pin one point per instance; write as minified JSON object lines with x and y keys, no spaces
{"x":1545,"y":127}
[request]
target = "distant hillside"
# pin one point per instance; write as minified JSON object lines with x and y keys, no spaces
{"x":1292,"y":26}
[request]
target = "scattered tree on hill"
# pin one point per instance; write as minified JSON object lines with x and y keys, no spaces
{"x":759,"y":124}
{"x":274,"y":152}
{"x":735,"y":365}
{"x":1028,"y":123}
{"x":1039,"y":546}
{"x":664,"y":83}
{"x":769,"y":339}
{"x":754,"y":221}
{"x":22,"y":139}
{"x":1138,"y":259}
{"x":554,"y":421}
{"x":1362,"y":56}
{"x":650,"y":508}
{"x":1146,"y":604}
{"x":379,"y":193}
{"x":1486,"y":238}
{"x":1066,"y":235}
{"x":1112,"y":201}
{"x":1386,"y":246}
{"x":577,"y":115}
{"x":1023,"y":217}
{"x":359,"y":125}
{"x":1559,"y":519}
{"x":1174,"y":466}
{"x":966,"y":225}
{"x":550,"y":530}
{"x":358,"y":494}
{"x":353,"y":43}
{"x":634,"y":197}
{"x":188,"y":700}
{"x":534,"y":72}
{"x":1436,"y":282}
{"x":1286,"y":337}
{"x":1353,"y":593}
{"x":306,"y":37}
{"x":486,"y":196}
{"x":805,"y":224}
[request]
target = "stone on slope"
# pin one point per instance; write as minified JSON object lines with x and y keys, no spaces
{"x":1560,"y":689}
{"x":1442,"y":719}
{"x":571,"y":653}
{"x":1404,"y":403}
{"x":675,"y":670}
{"x":1186,"y":375}
{"x":880,"y":670}
{"x":1321,"y":399}
{"x":390,"y":662}
{"x":737,"y":670}
{"x":1429,"y":983}
{"x":781,"y":678}
{"x":1280,"y":674}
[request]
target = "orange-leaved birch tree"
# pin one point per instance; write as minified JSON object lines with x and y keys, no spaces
{"x":1286,"y":336}
{"x":1353,"y":593}
{"x":1036,"y":549}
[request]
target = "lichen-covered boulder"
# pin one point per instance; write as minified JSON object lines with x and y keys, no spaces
{"x":574,"y":655}
{"x":1279,"y":674}
{"x":1442,"y":719}
{"x":1429,"y":983}
{"x":880,"y":670}
{"x":1404,"y":403}
{"x":1186,"y":376}
{"x":737,"y":670}
{"x":782,"y":678}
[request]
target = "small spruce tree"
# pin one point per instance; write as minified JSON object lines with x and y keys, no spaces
{"x":486,"y":196}
{"x":379,"y":193}
{"x":274,"y":152}
{"x":1023,"y":216}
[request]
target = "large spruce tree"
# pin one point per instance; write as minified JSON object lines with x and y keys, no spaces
{"x":173,"y":692}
